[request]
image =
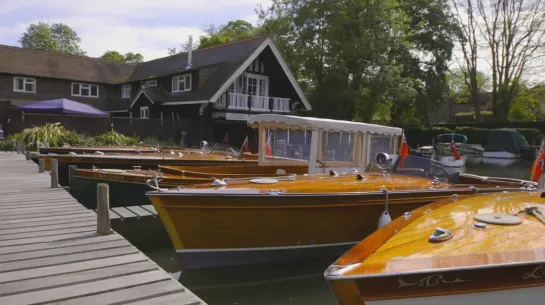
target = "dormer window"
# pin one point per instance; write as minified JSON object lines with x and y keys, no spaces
{"x":181,"y":83}
{"x":126,"y":91}
{"x":151,"y":83}
{"x":88,"y":90}
{"x":24,"y":84}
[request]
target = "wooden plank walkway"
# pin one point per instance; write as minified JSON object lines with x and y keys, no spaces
{"x":50,"y":252}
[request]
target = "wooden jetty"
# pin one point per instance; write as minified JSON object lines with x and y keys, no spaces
{"x":136,"y":211}
{"x":51,"y":253}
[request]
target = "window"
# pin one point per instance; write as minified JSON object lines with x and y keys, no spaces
{"x":24,"y":84}
{"x":79,"y":89}
{"x":144,"y":112}
{"x":151,"y":83}
{"x":258,"y":85}
{"x":126,"y":91}
{"x":181,"y":83}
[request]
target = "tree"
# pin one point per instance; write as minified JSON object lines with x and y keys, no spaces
{"x":131,"y":57}
{"x":467,"y":39}
{"x":128,"y":57}
{"x":458,"y":84}
{"x":233,"y":30}
{"x":527,"y":103}
{"x":514,"y":33}
{"x":367,"y":56}
{"x":56,"y":37}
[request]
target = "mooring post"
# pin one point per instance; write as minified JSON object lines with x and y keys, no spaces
{"x":41,"y":165}
{"x":71,"y":169}
{"x":54,"y":173}
{"x":103,"y":209}
{"x":27,"y":155}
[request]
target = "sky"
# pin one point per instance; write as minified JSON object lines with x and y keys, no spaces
{"x":148,"y":27}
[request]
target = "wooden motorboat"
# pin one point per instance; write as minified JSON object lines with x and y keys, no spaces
{"x":262,"y":220}
{"x":133,"y":149}
{"x":128,"y":187}
{"x":479,"y":249}
{"x":44,"y":152}
{"x":148,"y":161}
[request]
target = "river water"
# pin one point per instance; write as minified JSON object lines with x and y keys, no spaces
{"x":292,"y":283}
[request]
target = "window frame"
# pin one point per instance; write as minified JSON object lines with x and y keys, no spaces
{"x":151,"y":83}
{"x":258,"y":77}
{"x":146,"y":108}
{"x":176,"y":80}
{"x":85,"y":85}
{"x":123,"y":89}
{"x":25,"y":80}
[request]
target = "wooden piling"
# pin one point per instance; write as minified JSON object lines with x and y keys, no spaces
{"x":71,"y":169}
{"x":41,"y":165}
{"x":103,"y":209}
{"x":54,"y":173}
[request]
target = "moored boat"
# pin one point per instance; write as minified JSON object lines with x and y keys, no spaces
{"x":129,"y":186}
{"x":211,"y":157}
{"x":478,"y":249}
{"x":262,"y":220}
{"x":444,"y":141}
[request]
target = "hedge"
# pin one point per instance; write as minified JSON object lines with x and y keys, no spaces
{"x":423,"y":136}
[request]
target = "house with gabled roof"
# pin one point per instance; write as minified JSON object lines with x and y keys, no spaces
{"x":214,"y":88}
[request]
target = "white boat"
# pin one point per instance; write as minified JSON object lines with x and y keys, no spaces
{"x":500,"y":155}
{"x":452,"y":162}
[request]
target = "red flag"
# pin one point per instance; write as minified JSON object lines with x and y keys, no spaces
{"x":404,"y":151}
{"x":245,"y":147}
{"x":268,"y":146}
{"x":537,"y":167}
{"x":453,"y":150}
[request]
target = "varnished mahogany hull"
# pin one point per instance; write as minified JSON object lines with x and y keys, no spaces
{"x":477,"y":274}
{"x":129,"y":190}
{"x":220,"y":230}
{"x":121,"y":163}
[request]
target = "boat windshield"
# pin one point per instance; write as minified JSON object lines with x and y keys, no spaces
{"x":222,"y":148}
{"x":420,"y":167}
{"x":449,"y":137}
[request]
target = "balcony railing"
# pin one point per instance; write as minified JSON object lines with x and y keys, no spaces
{"x":281,"y":104}
{"x":239,"y":101}
{"x":260,"y":103}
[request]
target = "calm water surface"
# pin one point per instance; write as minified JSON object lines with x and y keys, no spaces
{"x":293,"y":283}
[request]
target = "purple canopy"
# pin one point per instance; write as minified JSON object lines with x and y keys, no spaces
{"x":64,"y":106}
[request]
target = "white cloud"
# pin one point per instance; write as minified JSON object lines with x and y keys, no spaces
{"x":127,"y":25}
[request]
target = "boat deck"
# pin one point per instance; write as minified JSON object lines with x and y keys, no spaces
{"x":50,"y":251}
{"x":410,"y":251}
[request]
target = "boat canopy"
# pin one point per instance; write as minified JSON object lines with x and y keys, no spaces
{"x":321,"y":144}
{"x":448,"y":137}
{"x":278,"y":121}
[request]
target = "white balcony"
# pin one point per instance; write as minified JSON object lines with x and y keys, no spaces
{"x":260,"y":103}
{"x":238,"y":101}
{"x":281,"y":104}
